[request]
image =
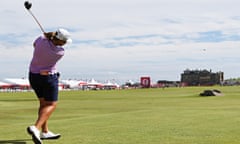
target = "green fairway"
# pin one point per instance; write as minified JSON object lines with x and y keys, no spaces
{"x":141,"y":116}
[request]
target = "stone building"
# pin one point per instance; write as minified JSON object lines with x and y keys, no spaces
{"x":201,"y":77}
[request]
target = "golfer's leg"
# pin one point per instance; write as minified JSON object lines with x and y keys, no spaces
{"x":45,"y":111}
{"x":45,"y":127}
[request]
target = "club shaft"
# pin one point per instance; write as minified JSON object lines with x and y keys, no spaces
{"x":36,"y":21}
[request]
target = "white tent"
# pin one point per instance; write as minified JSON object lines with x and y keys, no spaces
{"x":110,"y":85}
{"x":18,"y":83}
{"x":4,"y":85}
{"x":74,"y":84}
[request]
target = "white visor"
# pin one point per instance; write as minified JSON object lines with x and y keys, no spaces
{"x":63,"y":35}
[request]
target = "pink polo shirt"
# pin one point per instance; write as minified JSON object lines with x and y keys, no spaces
{"x":45,"y":56}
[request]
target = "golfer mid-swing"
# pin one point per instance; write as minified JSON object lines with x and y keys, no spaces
{"x":43,"y":77}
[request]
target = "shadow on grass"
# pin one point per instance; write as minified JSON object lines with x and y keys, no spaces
{"x":21,"y":141}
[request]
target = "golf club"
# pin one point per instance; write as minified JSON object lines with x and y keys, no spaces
{"x":28,"y":6}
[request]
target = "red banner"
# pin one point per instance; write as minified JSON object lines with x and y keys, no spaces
{"x":145,"y":82}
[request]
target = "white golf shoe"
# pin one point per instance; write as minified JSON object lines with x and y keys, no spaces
{"x":34,"y":132}
{"x":49,"y":135}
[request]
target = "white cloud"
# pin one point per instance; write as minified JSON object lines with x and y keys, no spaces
{"x":127,"y":38}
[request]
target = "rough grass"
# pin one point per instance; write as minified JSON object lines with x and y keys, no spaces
{"x":142,"y":116}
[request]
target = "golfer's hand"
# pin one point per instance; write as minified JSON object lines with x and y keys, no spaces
{"x":49,"y":35}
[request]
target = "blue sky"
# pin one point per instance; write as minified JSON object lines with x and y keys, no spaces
{"x":126,"y":39}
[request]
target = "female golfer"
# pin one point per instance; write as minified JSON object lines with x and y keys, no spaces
{"x":43,"y":77}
